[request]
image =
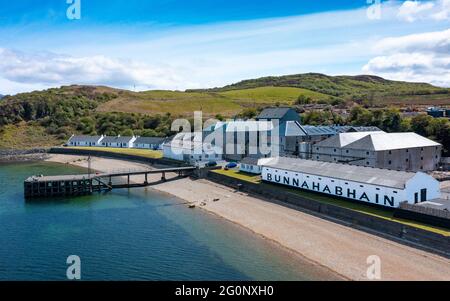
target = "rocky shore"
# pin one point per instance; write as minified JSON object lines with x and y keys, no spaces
{"x":9,"y":156}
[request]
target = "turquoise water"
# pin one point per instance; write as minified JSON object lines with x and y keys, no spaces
{"x":129,"y":235}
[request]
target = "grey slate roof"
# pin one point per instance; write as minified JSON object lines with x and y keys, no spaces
{"x":392,"y":141}
{"x":116,"y":139}
{"x":88,"y":139}
{"x":273,"y":113}
{"x":343,"y":139}
{"x":150,"y":140}
{"x":361,"y":174}
{"x":350,"y":129}
{"x":295,"y":129}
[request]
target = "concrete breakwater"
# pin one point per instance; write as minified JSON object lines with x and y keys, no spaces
{"x":27,"y":155}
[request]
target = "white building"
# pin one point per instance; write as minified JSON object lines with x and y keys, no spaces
{"x":365,"y":184}
{"x":253,"y":165}
{"x":183,"y":148}
{"x":118,"y":142}
{"x":154,"y":143}
{"x":85,"y":140}
{"x":396,"y":151}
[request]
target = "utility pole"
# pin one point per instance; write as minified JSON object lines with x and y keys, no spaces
{"x":89,"y":166}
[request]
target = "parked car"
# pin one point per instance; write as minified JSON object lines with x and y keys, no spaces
{"x":231,"y":165}
{"x":211,"y":164}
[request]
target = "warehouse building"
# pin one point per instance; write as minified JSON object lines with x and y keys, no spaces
{"x":299,"y":139}
{"x":396,"y":151}
{"x":184,"y":147}
{"x":371,"y":185}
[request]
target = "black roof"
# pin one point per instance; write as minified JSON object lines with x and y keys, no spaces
{"x":273,"y":113}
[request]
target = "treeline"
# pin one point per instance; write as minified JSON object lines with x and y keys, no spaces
{"x":389,"y":120}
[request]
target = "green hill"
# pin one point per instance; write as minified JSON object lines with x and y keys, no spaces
{"x":62,"y":111}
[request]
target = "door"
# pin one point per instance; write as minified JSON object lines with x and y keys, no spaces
{"x":423,"y":195}
{"x":416,"y":198}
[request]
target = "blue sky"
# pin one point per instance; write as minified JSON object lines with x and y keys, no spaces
{"x":180,"y":44}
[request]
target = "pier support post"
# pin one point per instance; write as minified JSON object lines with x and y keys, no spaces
{"x":163,"y":178}
{"x":146,"y":179}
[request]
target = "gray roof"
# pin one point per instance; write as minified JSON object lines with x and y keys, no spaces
{"x":343,"y":139}
{"x":391,"y":141}
{"x":250,"y":161}
{"x":295,"y":129}
{"x":117,"y":139}
{"x":349,"y":129}
{"x":88,"y":139}
{"x":273,"y":113}
{"x":150,"y":140}
{"x":360,"y":174}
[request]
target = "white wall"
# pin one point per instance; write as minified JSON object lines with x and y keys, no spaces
{"x":362,"y":192}
{"x":255,"y":169}
{"x":422,"y":181}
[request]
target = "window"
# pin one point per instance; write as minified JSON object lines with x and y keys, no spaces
{"x":378,"y":189}
{"x":421,"y":158}
{"x":317,"y":157}
{"x":367,"y":153}
{"x":335,"y":150}
{"x":346,"y":151}
{"x":395,"y":192}
{"x":407,"y":160}
{"x":390,"y":152}
{"x":390,"y":162}
{"x":362,"y":186}
{"x":367,"y":163}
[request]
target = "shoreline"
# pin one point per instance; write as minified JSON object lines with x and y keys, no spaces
{"x":339,"y":249}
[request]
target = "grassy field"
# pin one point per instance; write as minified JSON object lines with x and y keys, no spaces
{"x":128,"y":151}
{"x":359,"y":207}
{"x":272,"y":95}
{"x":227,"y":103}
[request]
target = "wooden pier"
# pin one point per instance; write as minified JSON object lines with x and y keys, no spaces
{"x":75,"y":185}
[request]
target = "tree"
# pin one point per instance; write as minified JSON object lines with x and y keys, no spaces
{"x":303,"y":100}
{"x":420,"y":123}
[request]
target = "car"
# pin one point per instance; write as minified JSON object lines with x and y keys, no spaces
{"x":231,"y":165}
{"x":211,"y":164}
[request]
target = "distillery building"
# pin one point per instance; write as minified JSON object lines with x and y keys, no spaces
{"x":396,"y":151}
{"x":381,"y":187}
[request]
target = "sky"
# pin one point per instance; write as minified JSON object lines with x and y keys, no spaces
{"x":184,"y":44}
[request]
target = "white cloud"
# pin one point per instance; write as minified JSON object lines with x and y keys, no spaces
{"x":424,"y":10}
{"x":420,"y":57}
{"x":56,"y":69}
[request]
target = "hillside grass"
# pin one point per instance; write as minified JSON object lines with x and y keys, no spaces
{"x":358,"y":207}
{"x":227,"y":103}
{"x":146,"y":153}
{"x":23,"y":136}
{"x":272,"y":95}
